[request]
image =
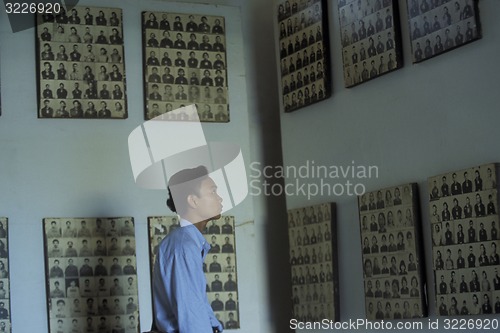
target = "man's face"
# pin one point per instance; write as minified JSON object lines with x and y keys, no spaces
{"x":208,"y":203}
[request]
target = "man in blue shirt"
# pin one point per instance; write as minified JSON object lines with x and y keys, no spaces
{"x":179,"y":284}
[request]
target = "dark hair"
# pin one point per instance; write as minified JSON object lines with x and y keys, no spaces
{"x":185,"y":182}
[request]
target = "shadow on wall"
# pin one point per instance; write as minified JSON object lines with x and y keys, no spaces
{"x":266,"y":104}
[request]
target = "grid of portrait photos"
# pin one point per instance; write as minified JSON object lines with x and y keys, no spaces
{"x":304,"y":52}
{"x":5,"y":322}
{"x":219,"y":265}
{"x":371,"y":42}
{"x":464,"y":222}
{"x":394,"y":271}
{"x":80,"y":64}
{"x":91,"y":275}
{"x":314,"y":262}
{"x":437,"y":26}
{"x":185,"y":63}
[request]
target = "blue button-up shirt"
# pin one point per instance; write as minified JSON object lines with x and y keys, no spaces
{"x":179,"y":284}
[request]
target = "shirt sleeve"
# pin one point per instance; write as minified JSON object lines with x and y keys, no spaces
{"x":194,"y":314}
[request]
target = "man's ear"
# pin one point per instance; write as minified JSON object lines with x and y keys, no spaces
{"x":192,"y":201}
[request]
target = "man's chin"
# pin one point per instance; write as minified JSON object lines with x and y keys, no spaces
{"x":216,"y":217}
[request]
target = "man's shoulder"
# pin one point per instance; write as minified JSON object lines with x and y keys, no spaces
{"x":181,"y":240}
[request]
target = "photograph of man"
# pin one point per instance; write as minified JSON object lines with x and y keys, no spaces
{"x":216,"y":284}
{"x":227,"y":247}
{"x":56,"y":271}
{"x":230,"y":304}
{"x":230,"y":284}
{"x":57,"y":292}
{"x":214,"y":247}
{"x":217,"y":304}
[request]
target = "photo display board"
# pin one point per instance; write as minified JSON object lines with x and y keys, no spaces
{"x":439,"y":26}
{"x":5,"y":315}
{"x":219,"y":267}
{"x":80,"y":62}
{"x":464,"y":222}
{"x":91,"y":275}
{"x":184,"y":58}
{"x":304,"y":53}
{"x":371,"y":41}
{"x":314,"y":262}
{"x":393,"y":261}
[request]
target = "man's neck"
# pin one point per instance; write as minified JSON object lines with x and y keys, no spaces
{"x":199,"y":225}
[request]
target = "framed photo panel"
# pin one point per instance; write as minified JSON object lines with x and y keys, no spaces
{"x":371,"y":41}
{"x":314,"y":262}
{"x":304,"y":53}
{"x":184,"y":58}
{"x":393,"y":261}
{"x":439,"y":26}
{"x":220,"y":266}
{"x":5,"y":315}
{"x":80,"y":64}
{"x":91,"y":274}
{"x":464,"y":222}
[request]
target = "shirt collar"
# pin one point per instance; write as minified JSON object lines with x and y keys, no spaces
{"x":184,"y":222}
{"x":197,"y":234}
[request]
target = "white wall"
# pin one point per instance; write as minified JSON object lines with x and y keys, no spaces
{"x":423,"y":120}
{"x":81,"y":167}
